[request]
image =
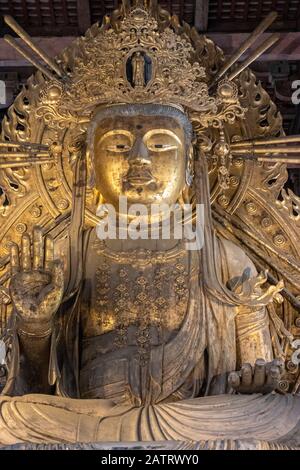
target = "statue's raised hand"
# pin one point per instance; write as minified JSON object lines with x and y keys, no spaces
{"x":37,"y":282}
{"x":261,"y":378}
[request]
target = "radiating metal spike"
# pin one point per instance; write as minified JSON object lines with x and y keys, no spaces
{"x":285,"y":139}
{"x":246,"y":45}
{"x":261,"y":150}
{"x":257,"y":53}
{"x":12,"y":41}
{"x":9,"y":20}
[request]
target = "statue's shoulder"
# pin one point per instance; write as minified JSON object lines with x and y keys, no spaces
{"x":234,"y":258}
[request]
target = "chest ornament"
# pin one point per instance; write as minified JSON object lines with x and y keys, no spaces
{"x":141,"y":290}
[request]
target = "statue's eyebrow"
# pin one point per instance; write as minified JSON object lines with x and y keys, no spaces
{"x":168,"y":132}
{"x":116,"y":132}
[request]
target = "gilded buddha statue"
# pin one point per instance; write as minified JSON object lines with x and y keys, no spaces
{"x":141,"y":339}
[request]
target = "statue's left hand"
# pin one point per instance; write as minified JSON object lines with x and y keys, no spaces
{"x":261,"y":378}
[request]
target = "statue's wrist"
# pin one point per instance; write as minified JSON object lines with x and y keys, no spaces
{"x":37,"y":328}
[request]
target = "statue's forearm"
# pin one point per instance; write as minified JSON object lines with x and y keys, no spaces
{"x":34,"y":363}
{"x":34,"y":357}
{"x":253,"y":336}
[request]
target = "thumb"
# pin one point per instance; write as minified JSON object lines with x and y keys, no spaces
{"x":234,"y":379}
{"x":58,"y":274}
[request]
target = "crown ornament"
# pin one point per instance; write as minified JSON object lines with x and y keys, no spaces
{"x":135,"y":62}
{"x":138,"y":64}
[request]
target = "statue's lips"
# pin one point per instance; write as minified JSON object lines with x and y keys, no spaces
{"x":139,"y":178}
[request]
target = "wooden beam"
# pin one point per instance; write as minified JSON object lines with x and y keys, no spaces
{"x":83,"y":15}
{"x":201,"y":15}
{"x":288,"y":47}
{"x":53,"y":46}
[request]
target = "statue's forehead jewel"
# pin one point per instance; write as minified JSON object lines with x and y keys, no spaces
{"x":174,"y":112}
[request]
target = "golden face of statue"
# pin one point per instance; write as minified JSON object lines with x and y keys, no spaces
{"x":142,"y":157}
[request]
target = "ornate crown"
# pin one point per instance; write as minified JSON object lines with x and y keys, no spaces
{"x":135,"y":62}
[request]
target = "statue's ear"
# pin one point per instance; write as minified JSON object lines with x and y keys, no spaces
{"x":189,"y":171}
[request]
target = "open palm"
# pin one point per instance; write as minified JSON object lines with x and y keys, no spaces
{"x":37,"y":282}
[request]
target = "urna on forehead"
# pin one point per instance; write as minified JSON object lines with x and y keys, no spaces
{"x":174,"y":113}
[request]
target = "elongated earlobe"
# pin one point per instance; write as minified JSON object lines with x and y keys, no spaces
{"x":189,"y":172}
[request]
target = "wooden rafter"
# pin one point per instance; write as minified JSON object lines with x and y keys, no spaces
{"x":84,"y":15}
{"x":201,"y":14}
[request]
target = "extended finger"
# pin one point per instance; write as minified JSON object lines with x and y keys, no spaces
{"x":25,"y":251}
{"x":58,"y":274}
{"x":278,"y":363}
{"x":38,"y":248}
{"x":246,"y":371}
{"x":234,"y":379}
{"x":49,"y":253}
{"x":259,"y":373}
{"x":273,"y":376}
{"x":14,"y":258}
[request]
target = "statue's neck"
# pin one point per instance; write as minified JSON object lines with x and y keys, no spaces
{"x":155,"y":237}
{"x":153,"y":245}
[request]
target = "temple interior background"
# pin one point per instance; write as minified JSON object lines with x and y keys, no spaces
{"x":53,"y":24}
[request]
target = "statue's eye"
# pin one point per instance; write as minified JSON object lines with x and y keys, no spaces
{"x":161,"y":147}
{"x":118,"y":148}
{"x":162,"y":140}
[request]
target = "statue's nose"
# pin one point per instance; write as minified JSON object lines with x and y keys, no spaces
{"x":139,"y":153}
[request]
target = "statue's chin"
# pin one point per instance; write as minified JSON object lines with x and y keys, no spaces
{"x":124,"y":201}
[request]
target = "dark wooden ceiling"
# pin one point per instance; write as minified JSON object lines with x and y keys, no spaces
{"x":243,"y":15}
{"x":71,"y":17}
